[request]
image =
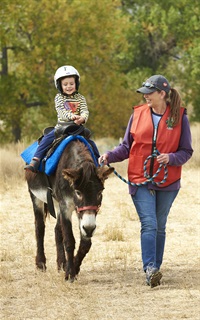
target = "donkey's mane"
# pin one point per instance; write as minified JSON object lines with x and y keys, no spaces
{"x":84,"y":163}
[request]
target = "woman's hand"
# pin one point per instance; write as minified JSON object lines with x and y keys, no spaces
{"x":163,"y":158}
{"x":103,"y":160}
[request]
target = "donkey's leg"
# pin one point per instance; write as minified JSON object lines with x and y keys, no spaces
{"x":69,"y":243}
{"x":84,"y":247}
{"x":40,"y":216}
{"x":61,"y":259}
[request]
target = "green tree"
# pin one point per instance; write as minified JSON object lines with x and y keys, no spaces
{"x":164,"y":38}
{"x":40,"y":36}
{"x":115,"y":45}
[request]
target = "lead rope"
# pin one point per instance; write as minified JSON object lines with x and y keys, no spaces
{"x":146,"y":174}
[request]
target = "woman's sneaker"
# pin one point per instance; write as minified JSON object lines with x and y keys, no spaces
{"x":153,"y":276}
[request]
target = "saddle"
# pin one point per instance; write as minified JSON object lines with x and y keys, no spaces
{"x":62,"y":131}
{"x":70,"y":128}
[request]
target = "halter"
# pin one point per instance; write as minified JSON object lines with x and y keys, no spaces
{"x":96,"y":208}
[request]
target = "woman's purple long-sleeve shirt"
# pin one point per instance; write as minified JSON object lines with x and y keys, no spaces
{"x":178,"y":158}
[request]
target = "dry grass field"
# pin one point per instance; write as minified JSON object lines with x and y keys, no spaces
{"x":111,"y":284}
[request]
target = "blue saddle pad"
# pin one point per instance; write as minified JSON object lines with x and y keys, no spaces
{"x":49,"y":165}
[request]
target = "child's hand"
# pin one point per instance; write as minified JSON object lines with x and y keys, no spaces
{"x":73,"y":117}
{"x":79,"y":120}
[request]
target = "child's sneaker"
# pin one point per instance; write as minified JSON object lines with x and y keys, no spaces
{"x":33,"y":166}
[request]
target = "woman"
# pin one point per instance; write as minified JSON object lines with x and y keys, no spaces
{"x":157,"y":142}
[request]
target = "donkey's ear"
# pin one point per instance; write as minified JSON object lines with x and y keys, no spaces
{"x":70,"y":175}
{"x":104,"y":172}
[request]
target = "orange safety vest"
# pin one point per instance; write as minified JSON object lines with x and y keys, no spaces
{"x":166,"y":141}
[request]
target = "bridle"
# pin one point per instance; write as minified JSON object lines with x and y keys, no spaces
{"x":95,"y":208}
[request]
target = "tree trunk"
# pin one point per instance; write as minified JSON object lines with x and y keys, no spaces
{"x":16,"y":131}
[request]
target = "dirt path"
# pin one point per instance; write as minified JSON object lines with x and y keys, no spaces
{"x":111,"y":284}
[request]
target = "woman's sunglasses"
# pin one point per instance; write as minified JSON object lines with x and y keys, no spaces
{"x":150,"y":85}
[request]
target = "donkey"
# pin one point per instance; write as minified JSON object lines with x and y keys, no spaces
{"x":76,"y":185}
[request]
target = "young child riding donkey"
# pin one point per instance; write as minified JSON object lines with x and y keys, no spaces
{"x":68,"y":178}
{"x":72,"y":113}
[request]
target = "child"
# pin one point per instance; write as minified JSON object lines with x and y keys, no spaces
{"x":70,"y":106}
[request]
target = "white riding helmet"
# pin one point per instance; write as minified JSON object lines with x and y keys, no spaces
{"x":66,"y":71}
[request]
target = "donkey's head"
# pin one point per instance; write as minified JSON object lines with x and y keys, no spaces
{"x":87,"y":184}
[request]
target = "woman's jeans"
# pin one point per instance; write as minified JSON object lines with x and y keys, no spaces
{"x":153,"y":209}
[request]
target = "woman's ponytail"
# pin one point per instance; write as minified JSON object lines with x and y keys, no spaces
{"x":174,"y":100}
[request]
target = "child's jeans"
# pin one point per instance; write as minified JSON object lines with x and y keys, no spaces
{"x":44,"y":145}
{"x":47,"y":141}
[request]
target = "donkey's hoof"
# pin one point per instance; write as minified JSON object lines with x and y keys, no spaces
{"x":41,"y":266}
{"x":61,"y":266}
{"x":70,"y":278}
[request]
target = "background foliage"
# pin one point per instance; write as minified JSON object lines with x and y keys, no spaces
{"x":114,"y":44}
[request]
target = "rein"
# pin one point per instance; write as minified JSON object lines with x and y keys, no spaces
{"x":146,"y":175}
{"x":96,"y":208}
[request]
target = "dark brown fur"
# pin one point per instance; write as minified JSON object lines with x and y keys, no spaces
{"x":76,"y":183}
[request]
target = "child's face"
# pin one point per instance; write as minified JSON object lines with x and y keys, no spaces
{"x":68,"y":85}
